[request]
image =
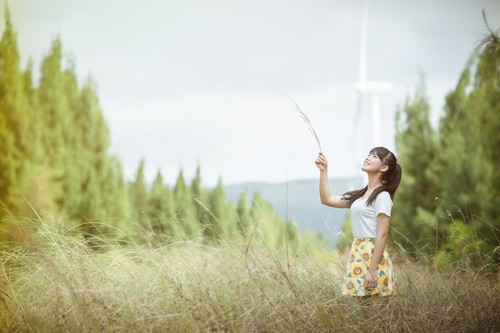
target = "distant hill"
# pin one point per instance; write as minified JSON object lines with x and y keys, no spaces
{"x":303,"y":202}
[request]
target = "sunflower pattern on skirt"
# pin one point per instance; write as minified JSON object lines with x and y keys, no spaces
{"x":357,"y":266}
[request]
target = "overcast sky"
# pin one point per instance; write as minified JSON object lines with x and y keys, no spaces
{"x":185,"y":82}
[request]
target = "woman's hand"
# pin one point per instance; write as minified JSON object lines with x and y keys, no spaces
{"x":322,"y":162}
{"x":370,"y":280}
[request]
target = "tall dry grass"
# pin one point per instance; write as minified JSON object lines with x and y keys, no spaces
{"x":55,"y":283}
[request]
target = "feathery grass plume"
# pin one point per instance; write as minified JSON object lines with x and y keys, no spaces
{"x":61,"y":285}
{"x":307,"y":121}
{"x":491,"y":45}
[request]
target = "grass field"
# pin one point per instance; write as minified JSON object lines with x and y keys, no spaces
{"x":54,"y":282}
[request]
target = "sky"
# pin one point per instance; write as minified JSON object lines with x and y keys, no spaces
{"x":187,"y":83}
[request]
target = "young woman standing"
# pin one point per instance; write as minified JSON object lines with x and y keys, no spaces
{"x":369,"y":267}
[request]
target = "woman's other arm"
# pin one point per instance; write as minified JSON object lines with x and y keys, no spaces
{"x":380,"y":242}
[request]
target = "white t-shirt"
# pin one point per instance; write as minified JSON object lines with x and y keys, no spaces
{"x":364,"y":218}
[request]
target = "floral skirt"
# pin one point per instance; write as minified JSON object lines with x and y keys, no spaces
{"x":357,"y":265}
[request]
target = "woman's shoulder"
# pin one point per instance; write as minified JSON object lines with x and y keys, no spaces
{"x":384,"y":195}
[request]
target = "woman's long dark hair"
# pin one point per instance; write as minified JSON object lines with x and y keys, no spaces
{"x":390,"y":178}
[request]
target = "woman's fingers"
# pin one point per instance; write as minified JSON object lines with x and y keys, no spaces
{"x":321,"y":161}
{"x":370,"y":281}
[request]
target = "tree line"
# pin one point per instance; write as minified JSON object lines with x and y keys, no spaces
{"x":55,"y":160}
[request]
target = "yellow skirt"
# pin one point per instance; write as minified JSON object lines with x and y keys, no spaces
{"x":357,"y":265}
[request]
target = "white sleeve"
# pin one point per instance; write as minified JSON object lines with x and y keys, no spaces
{"x":383,"y":204}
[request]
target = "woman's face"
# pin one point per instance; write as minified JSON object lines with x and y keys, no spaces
{"x":372,"y":163}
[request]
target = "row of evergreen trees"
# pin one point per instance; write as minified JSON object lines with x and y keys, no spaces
{"x":449,"y":199}
{"x":189,"y":211}
{"x":54,"y":157}
{"x":55,"y":141}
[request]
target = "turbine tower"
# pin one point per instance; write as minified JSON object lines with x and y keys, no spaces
{"x":369,"y":89}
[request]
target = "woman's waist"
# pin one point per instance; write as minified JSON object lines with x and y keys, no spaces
{"x":364,"y":239}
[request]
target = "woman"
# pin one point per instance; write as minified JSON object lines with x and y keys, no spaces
{"x":369,"y":268}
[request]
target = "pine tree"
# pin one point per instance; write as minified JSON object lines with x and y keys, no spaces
{"x":185,"y":212}
{"x":96,"y":169}
{"x":139,"y":193}
{"x":268,"y":225}
{"x":14,"y":120}
{"x":199,"y":198}
{"x":80,"y":196}
{"x":457,"y":166}
{"x":414,"y":220}
{"x":116,"y":198}
{"x":222,"y":224}
{"x":160,"y":209}
{"x":38,"y":182}
{"x":55,"y":122}
{"x":486,"y":98}
{"x":469,"y":137}
{"x":243,"y":213}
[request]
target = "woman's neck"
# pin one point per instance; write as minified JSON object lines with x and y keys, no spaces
{"x":374,"y":182}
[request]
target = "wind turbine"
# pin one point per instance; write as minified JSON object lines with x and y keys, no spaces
{"x":368,"y":89}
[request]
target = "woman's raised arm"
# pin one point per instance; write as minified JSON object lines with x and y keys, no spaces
{"x":335,"y":201}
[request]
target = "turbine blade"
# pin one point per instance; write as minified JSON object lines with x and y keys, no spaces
{"x":362,"y":46}
{"x":355,"y":126}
